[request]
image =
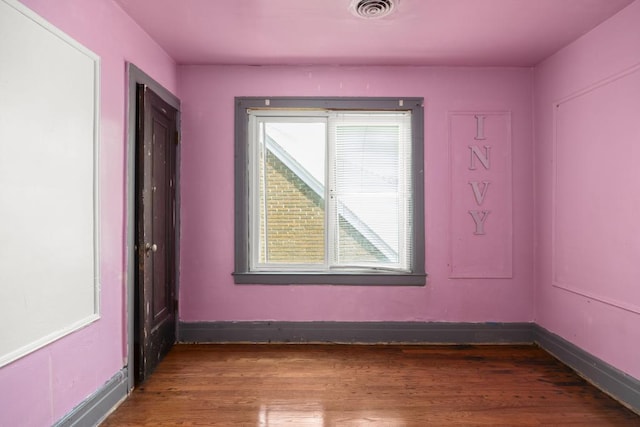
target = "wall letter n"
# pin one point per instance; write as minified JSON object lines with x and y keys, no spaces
{"x":477,"y":154}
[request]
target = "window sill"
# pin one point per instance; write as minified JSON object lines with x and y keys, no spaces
{"x":353,"y":279}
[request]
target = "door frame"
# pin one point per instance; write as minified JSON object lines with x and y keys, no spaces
{"x":137,"y":76}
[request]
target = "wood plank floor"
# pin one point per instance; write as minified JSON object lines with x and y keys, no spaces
{"x":344,"y":385}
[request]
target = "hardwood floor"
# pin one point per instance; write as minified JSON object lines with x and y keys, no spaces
{"x":344,"y":385}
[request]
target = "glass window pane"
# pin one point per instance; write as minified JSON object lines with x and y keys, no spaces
{"x":371,"y":190}
{"x":291,"y":194}
{"x":368,"y":229}
{"x":367,"y":158}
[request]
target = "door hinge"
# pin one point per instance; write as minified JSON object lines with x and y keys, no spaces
{"x":177,"y":137}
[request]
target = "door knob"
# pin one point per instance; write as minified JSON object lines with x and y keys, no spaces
{"x":150,"y":247}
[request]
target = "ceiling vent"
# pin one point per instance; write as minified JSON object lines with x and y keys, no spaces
{"x":372,"y":9}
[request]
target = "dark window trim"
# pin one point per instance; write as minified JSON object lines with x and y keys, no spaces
{"x":242,"y":274}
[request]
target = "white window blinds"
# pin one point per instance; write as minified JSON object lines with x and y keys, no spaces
{"x":370,"y":189}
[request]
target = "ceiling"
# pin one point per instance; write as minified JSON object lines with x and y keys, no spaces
{"x":417,"y":32}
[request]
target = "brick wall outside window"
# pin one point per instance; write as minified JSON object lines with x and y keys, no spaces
{"x":295,"y":226}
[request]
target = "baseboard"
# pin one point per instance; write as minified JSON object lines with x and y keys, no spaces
{"x":356,"y":332}
{"x":97,"y":406}
{"x":610,"y":380}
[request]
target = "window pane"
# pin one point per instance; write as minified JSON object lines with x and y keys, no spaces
{"x":371,"y":189}
{"x":367,"y":159}
{"x":369,"y":230}
{"x":291,"y":194}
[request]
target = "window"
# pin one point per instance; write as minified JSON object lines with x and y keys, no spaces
{"x":329,"y":191}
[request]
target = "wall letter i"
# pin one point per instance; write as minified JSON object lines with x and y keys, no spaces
{"x":480,"y":128}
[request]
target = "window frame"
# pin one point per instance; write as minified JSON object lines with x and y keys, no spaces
{"x":243,"y":222}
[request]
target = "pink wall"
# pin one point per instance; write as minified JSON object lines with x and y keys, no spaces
{"x":587,"y":274}
{"x":207,"y":291}
{"x":40,"y":388}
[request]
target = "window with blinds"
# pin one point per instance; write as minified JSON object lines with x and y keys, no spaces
{"x":329,"y":195}
{"x":370,"y":189}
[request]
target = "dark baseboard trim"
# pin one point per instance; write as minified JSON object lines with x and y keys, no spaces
{"x":100,"y":404}
{"x":610,"y":380}
{"x":356,"y":332}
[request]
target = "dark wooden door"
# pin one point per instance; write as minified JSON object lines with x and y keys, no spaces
{"x":156,"y":300}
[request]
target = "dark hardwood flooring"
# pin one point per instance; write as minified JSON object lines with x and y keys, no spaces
{"x":358,"y":385}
